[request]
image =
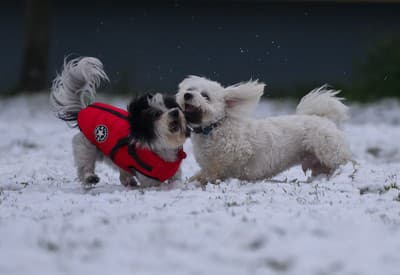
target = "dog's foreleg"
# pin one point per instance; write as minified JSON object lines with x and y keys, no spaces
{"x":127,"y":179}
{"x":199,"y":177}
{"x":204,"y":178}
{"x":85,"y":154}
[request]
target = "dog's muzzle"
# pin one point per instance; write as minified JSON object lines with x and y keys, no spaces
{"x":175,"y":123}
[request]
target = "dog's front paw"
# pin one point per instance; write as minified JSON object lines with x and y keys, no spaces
{"x":216,"y":181}
{"x":130,"y":182}
{"x":203,"y":179}
{"x":127,"y":179}
{"x":91,"y":179}
{"x":198,"y":178}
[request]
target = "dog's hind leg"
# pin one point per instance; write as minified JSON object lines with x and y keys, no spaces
{"x":85,"y":155}
{"x":310,"y":162}
{"x":329,"y":147}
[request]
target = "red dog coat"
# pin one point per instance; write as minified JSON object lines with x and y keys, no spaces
{"x":107,"y":127}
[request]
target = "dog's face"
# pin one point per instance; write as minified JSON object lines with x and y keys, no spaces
{"x":201,"y":99}
{"x":157,"y":120}
{"x":205,"y":101}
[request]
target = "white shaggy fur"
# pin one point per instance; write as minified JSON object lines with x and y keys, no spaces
{"x":75,"y":88}
{"x":239,"y":146}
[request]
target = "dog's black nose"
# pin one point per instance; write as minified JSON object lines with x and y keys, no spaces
{"x":187,"y":96}
{"x":174,"y":113}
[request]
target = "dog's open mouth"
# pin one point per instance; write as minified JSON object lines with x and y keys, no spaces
{"x":189,"y":108}
{"x":193,"y":114}
{"x":174,"y":126}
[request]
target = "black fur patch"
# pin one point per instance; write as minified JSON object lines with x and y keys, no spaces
{"x":142,"y":118}
{"x":170,"y":102}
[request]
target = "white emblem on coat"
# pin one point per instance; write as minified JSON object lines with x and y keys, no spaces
{"x":101,"y":133}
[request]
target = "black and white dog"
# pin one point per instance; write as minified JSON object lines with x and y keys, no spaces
{"x":144,"y":142}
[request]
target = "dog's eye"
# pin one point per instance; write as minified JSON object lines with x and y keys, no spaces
{"x":157,"y":114}
{"x":205,"y":95}
{"x":153,"y":113}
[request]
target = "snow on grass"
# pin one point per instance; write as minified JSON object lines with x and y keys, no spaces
{"x":50,"y":225}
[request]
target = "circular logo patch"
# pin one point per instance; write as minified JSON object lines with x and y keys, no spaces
{"x":101,"y":133}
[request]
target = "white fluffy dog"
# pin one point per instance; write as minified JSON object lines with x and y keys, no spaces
{"x":228,"y":143}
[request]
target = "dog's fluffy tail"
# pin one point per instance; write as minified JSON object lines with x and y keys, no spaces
{"x":75,"y":88}
{"x":323,"y":102}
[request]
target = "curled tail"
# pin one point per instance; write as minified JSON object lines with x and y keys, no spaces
{"x":75,"y":88}
{"x":323,"y":102}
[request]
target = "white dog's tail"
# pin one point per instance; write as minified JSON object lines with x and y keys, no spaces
{"x":75,"y":88}
{"x":323,"y":102}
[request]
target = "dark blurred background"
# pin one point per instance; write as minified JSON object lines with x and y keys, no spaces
{"x":152,"y":45}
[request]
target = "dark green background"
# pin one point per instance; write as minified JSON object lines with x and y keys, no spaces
{"x":153,"y":45}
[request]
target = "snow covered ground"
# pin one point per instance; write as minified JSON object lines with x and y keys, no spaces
{"x":50,"y":225}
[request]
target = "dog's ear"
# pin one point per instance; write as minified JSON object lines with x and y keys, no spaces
{"x":140,"y":121}
{"x":242,"y":98}
{"x":137,"y":104}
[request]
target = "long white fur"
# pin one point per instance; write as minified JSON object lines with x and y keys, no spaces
{"x":250,"y":149}
{"x":75,"y":87}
